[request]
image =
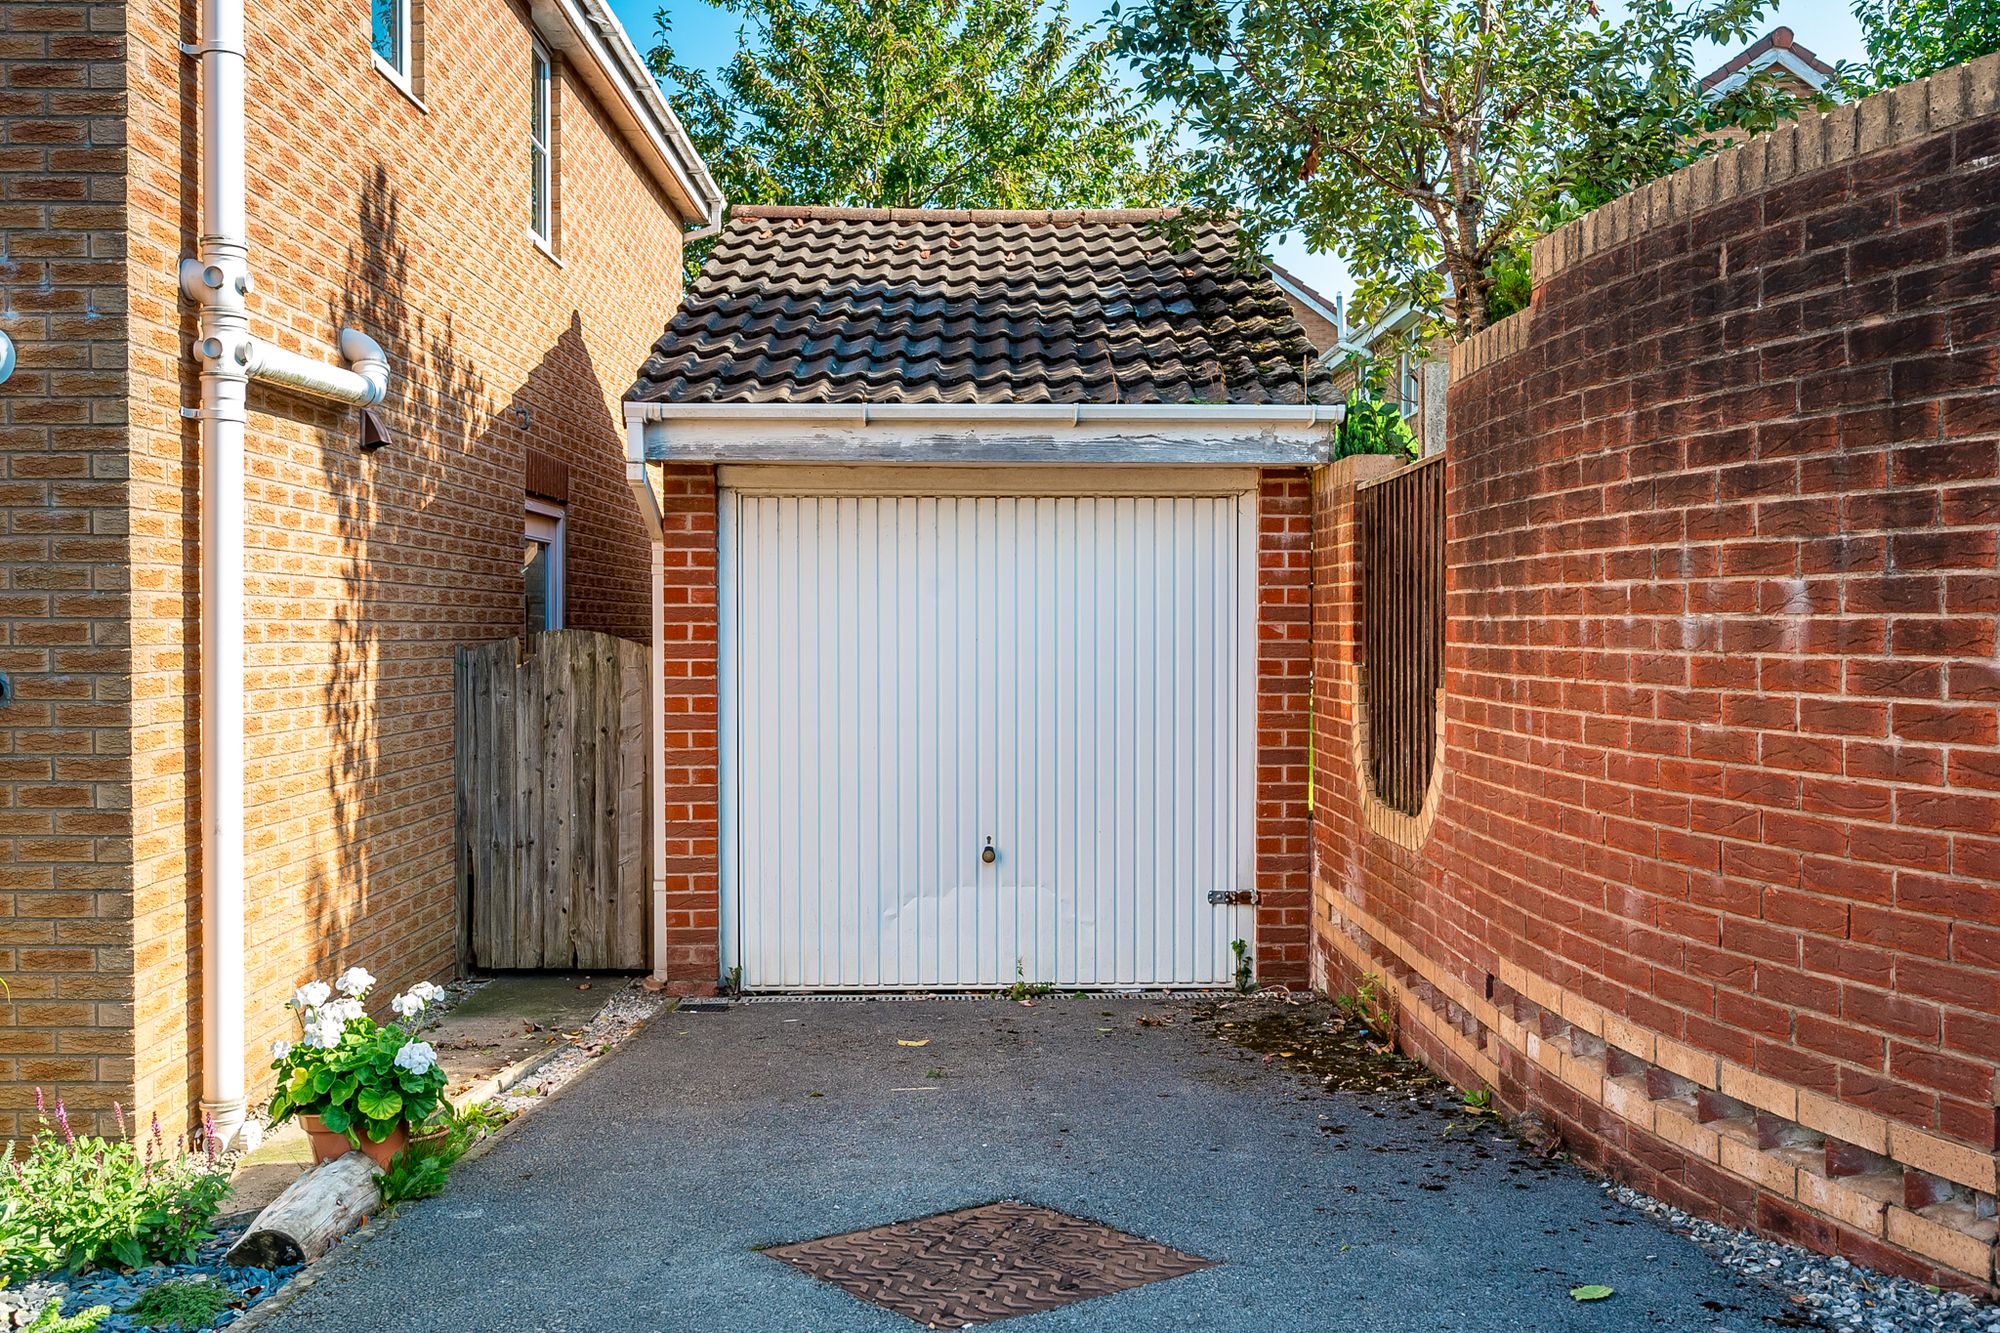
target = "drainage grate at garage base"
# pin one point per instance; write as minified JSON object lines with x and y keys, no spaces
{"x":983,"y":1264}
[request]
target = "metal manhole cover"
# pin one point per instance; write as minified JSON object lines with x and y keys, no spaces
{"x":982,"y":1264}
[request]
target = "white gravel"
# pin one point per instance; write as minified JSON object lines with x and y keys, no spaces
{"x":1842,"y":1295}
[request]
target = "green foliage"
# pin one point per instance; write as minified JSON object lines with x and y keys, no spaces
{"x":1427,"y":141}
{"x":1912,"y":39}
{"x":77,"y":1200}
{"x":420,"y":1170}
{"x":1373,"y":426}
{"x":1024,"y":989}
{"x":1368,"y":1006}
{"x":1246,"y":970}
{"x":359,"y":1076}
{"x":920,"y":103}
{"x":182,"y":1303}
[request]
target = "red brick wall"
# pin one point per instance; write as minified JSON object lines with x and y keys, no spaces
{"x":690,"y":637}
{"x":1715,"y":868}
{"x":1284,"y":711}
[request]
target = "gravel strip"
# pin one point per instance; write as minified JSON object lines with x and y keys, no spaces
{"x":118,"y":1290}
{"x":622,"y":1015}
{"x":1841,"y":1294}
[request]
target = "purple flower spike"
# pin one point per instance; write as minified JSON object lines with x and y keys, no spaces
{"x":118,"y":1113}
{"x":62,"y":1123}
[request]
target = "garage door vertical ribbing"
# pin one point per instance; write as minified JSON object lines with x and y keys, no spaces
{"x":905,"y":677}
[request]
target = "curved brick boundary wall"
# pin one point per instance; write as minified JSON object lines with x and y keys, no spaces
{"x":1713,"y":878}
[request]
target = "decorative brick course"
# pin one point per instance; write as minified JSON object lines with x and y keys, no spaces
{"x":1718,"y":807}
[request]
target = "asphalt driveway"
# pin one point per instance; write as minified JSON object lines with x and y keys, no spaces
{"x":641,"y":1198}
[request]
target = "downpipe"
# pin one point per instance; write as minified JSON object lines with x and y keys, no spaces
{"x":217,"y":280}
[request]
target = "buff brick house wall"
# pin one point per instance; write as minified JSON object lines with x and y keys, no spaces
{"x":1711,"y":880}
{"x":406,"y":218}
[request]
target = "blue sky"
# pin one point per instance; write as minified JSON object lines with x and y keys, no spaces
{"x":1826,"y":27}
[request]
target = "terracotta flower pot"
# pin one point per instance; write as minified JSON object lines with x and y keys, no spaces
{"x":327,"y":1145}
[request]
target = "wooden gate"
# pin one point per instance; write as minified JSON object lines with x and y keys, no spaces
{"x":1402,"y":627}
{"x":552,"y":832}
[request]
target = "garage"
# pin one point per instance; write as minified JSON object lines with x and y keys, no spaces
{"x":984,"y":606}
{"x":986,"y":725}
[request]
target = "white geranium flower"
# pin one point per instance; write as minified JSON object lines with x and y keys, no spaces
{"x":408,"y":1006}
{"x":311,"y":995}
{"x":340,"y":1011}
{"x":417,"y":1057}
{"x":355,"y":981}
{"x":324,"y":1033}
{"x":426,"y":991}
{"x":280,"y":1049}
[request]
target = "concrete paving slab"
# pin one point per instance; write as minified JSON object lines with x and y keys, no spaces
{"x":641,"y":1197}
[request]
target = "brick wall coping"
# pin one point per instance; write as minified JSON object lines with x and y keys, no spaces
{"x":1811,"y":143}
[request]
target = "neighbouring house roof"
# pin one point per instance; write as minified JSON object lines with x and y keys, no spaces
{"x":1775,"y":48}
{"x":851,"y":305}
{"x":1320,"y":316}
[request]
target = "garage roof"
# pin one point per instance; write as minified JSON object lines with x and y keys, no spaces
{"x":854,"y":305}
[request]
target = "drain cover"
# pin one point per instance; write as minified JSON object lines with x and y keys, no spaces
{"x":982,"y":1264}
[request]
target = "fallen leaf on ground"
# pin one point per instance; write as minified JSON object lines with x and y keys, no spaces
{"x":584,"y":986}
{"x":920,"y":1041}
{"x":1590,"y":1293}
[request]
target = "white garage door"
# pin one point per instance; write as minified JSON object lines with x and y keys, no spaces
{"x":1057,"y":664}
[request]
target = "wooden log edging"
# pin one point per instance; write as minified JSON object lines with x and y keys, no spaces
{"x":315,"y":1210}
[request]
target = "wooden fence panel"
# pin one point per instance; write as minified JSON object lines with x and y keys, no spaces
{"x":1402,"y":627}
{"x":552,"y":828}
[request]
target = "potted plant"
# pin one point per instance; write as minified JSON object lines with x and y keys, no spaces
{"x":353,"y":1082}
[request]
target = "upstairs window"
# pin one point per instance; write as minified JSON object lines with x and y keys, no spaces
{"x":541,"y":178}
{"x":392,"y":36}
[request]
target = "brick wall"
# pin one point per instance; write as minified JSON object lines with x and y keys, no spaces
{"x":1284,"y":703}
{"x":65,"y":827}
{"x":691,"y":636}
{"x":365,"y":571}
{"x":1713,"y":879}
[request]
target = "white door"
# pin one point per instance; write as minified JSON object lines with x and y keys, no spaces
{"x":1058,"y":664}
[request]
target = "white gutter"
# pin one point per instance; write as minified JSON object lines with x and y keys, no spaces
{"x":656,"y":751}
{"x":217,"y":281}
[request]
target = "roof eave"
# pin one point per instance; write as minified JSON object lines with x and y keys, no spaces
{"x":986,"y":433}
{"x":596,"y":43}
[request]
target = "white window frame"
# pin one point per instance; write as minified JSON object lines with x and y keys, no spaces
{"x":541,"y":150}
{"x":545,"y":523}
{"x":402,"y":70}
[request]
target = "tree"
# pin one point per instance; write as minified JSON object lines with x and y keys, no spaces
{"x":1425,"y":141}
{"x":1911,"y":39}
{"x":921,"y":103}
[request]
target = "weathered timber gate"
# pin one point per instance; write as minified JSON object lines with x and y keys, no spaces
{"x":552,"y":844}
{"x":1402,"y":627}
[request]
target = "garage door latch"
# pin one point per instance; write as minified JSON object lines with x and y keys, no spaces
{"x":1231,"y":897}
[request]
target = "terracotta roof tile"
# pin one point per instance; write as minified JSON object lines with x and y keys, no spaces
{"x":909,"y":305}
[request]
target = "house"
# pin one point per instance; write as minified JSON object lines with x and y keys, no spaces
{"x":1793,"y":67}
{"x":321,"y":324}
{"x":987,"y":604}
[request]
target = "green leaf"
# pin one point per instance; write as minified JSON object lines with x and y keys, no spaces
{"x":1591,"y":1293}
{"x":379,"y":1104}
{"x":128,"y":1251}
{"x":336,"y":1117}
{"x":322,"y":1080}
{"x":378,"y":1130}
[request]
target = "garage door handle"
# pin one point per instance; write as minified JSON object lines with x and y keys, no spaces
{"x":989,"y":856}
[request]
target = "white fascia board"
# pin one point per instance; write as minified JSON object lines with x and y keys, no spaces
{"x":987,"y":433}
{"x":1306,"y":298}
{"x":1777,"y":55}
{"x":590,"y":36}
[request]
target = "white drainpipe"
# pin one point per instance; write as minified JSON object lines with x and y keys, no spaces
{"x":656,"y":750}
{"x":217,"y":281}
